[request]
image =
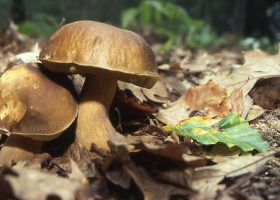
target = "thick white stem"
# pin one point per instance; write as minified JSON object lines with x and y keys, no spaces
{"x":18,"y":148}
{"x":93,"y":124}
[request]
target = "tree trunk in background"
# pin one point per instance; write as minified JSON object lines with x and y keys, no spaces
{"x":18,"y":11}
{"x":239,"y":15}
{"x":5,"y":14}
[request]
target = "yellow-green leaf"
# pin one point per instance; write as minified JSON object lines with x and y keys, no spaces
{"x":231,"y":130}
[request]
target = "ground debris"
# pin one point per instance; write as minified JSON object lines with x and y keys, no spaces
{"x":145,"y":161}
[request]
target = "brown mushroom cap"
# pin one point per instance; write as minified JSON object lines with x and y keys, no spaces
{"x":97,"y":48}
{"x":34,"y":106}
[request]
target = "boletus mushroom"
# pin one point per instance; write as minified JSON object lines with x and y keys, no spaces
{"x":33,"y":109}
{"x":105,"y":54}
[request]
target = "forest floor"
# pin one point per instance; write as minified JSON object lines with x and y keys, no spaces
{"x":148,"y":162}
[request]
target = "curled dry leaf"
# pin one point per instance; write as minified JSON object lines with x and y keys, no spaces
{"x":267,"y":93}
{"x":152,"y":188}
{"x":254,"y":112}
{"x":27,"y":184}
{"x":138,"y":167}
{"x":135,"y":90}
{"x":178,"y":111}
{"x":82,"y":158}
{"x":236,"y":100}
{"x":207,"y":180}
{"x":174,"y":152}
{"x":202,"y":61}
{"x":258,"y":65}
{"x":158,"y":93}
{"x":37,"y":161}
{"x":131,"y":102}
{"x":119,"y":176}
{"x":210,"y":97}
{"x":175,"y":85}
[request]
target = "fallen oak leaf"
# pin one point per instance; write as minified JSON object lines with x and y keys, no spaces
{"x":133,"y":103}
{"x":267,"y":93}
{"x":153,"y":189}
{"x":119,"y":176}
{"x":236,"y":100}
{"x":27,"y":184}
{"x":178,"y":111}
{"x":207,"y":180}
{"x":81,"y":157}
{"x":231,"y":130}
{"x":125,"y":167}
{"x":210,"y":97}
{"x":76,"y":173}
{"x":201,"y":62}
{"x":158,"y":93}
{"x":172,"y":152}
{"x":254,"y":112}
{"x":258,"y":65}
{"x":136,"y":91}
{"x":176,"y":177}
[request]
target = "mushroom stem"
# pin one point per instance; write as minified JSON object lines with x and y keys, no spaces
{"x":93,"y":123}
{"x":19,"y":148}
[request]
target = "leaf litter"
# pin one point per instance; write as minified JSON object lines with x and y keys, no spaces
{"x":147,"y":162}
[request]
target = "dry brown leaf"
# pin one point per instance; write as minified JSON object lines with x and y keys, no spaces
{"x":210,"y":97}
{"x":175,"y":85}
{"x":207,"y":180}
{"x":236,"y":100}
{"x":258,"y":65}
{"x":120,"y":177}
{"x":27,"y":184}
{"x":36,"y":162}
{"x":135,"y":90}
{"x":202,"y":61}
{"x":171,"y":151}
{"x":267,"y":93}
{"x":125,"y":167}
{"x":131,"y":102}
{"x":152,"y":188}
{"x":82,"y":158}
{"x":254,"y":112}
{"x":144,"y":138}
{"x":158,"y":93}
{"x":175,"y":113}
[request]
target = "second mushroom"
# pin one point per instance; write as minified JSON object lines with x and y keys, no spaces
{"x":33,"y":109}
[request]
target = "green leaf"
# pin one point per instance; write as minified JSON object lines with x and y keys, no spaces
{"x":128,"y":17}
{"x":231,"y":130}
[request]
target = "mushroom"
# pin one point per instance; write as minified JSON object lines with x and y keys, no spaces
{"x":33,"y":109}
{"x":105,"y":54}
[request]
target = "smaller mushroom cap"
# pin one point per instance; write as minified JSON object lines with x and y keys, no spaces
{"x":97,"y":48}
{"x":34,"y":106}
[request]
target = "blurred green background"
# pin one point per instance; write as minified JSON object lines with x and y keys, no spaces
{"x":193,"y":23}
